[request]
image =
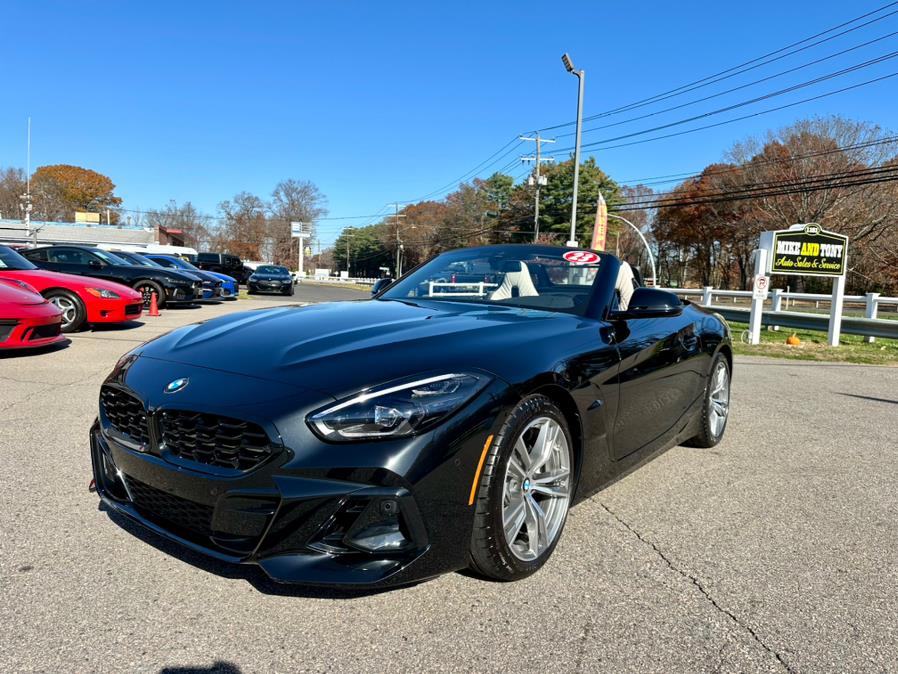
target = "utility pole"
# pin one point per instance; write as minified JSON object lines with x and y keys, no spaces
{"x":540,"y":180}
{"x":26,"y":198}
{"x":398,"y":242}
{"x":347,"y":235}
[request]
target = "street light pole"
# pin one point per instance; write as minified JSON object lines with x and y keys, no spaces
{"x":581,"y":76}
{"x":647,"y":249}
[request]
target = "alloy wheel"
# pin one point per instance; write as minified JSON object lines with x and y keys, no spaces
{"x":719,"y":403}
{"x":537,"y":488}
{"x":146,"y":293}
{"x":68,"y":308}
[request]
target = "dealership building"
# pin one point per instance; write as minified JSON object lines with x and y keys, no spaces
{"x":44,"y":233}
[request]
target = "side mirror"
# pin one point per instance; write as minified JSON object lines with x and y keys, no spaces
{"x":650,"y":303}
{"x":95,"y":264}
{"x":380,"y":284}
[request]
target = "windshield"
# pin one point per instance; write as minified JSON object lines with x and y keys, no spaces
{"x":10,"y":259}
{"x":272,"y":269}
{"x":140,"y":259}
{"x":538,"y":277}
{"x":179,"y":263}
{"x":110,"y":258}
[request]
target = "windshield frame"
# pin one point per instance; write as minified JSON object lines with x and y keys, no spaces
{"x":600,"y":294}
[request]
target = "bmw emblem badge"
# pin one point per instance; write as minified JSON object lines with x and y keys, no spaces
{"x":176,"y":385}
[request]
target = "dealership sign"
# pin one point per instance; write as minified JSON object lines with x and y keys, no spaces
{"x":805,"y":250}
{"x":801,"y":250}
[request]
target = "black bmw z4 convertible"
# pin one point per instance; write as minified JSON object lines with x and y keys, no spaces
{"x":450,"y":421}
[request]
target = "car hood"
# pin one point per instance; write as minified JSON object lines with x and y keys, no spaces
{"x":12,"y":295}
{"x":75,"y":282}
{"x":271,"y":277}
{"x":344,"y":346}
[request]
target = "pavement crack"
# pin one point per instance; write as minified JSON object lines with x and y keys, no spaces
{"x":698,"y":585}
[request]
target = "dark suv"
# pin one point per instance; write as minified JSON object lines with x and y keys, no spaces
{"x":223,"y":263}
{"x":167,"y":284}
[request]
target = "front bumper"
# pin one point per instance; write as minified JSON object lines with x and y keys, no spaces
{"x":182,"y":293}
{"x":378,"y":514}
{"x":114,"y":311}
{"x":269,"y":287}
{"x":33,"y":327}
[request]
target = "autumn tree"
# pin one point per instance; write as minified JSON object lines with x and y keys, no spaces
{"x":60,"y":190}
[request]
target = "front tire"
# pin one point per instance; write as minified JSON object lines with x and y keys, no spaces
{"x":146,"y":288}
{"x":716,"y":408}
{"x":524,"y":493}
{"x":73,"y":312}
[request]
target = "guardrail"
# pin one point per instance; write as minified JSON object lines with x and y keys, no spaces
{"x":479,"y":285}
{"x":866,"y":327}
{"x":869,"y":326}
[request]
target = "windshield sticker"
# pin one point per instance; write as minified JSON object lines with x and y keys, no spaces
{"x":581,"y":257}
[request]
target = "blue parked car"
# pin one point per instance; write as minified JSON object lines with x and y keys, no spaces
{"x":229,"y":288}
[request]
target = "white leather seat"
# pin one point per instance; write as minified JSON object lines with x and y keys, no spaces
{"x":625,"y":285}
{"x":516,"y":283}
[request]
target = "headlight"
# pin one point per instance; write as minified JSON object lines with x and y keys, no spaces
{"x":397,"y":411}
{"x":105,"y":294}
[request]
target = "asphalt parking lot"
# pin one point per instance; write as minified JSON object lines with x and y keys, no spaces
{"x":775,"y":551}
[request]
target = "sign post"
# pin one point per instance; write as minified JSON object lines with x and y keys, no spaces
{"x":296,"y":232}
{"x":758,"y":296}
{"x":808,"y":250}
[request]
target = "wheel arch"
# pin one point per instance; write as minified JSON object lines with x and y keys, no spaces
{"x":727,"y":352}
{"x":565,"y":402}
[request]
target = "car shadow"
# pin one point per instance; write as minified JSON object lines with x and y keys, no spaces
{"x":871,"y":398}
{"x":115,"y":327}
{"x":249,"y":572}
{"x":182,"y":306}
{"x":217,"y":667}
{"x":34,"y":351}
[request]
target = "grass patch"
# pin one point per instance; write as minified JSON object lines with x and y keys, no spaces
{"x":851,"y":349}
{"x":345,"y":286}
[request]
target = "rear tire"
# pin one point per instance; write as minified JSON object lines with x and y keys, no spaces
{"x":525,"y":492}
{"x":147,"y":288}
{"x":73,"y":311}
{"x":716,"y":407}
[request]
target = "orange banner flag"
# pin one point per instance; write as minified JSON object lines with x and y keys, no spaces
{"x":600,"y":231}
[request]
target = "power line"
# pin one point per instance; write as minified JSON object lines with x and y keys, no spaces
{"x":692,"y":174}
{"x":728,"y":108}
{"x":773,"y":188}
{"x":755,"y":82}
{"x":735,"y":119}
{"x":742,"y":67}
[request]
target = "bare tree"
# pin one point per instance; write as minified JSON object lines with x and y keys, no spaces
{"x":12,"y":187}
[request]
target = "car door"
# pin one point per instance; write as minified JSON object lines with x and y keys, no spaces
{"x":657,"y":381}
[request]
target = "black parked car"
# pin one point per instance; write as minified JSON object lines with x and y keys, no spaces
{"x":223,"y":263}
{"x":270,"y":278}
{"x":211,"y":284}
{"x":383,"y":441}
{"x":168,"y":285}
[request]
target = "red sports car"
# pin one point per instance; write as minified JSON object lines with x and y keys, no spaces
{"x":81,"y":299}
{"x":27,"y":320}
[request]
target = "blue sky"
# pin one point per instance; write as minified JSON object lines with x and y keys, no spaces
{"x":378,"y":102}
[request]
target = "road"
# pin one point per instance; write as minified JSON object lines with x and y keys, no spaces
{"x":773,"y":552}
{"x":317,"y":292}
